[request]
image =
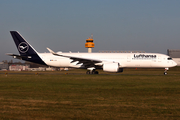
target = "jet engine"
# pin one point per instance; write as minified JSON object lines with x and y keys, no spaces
{"x":112,"y":67}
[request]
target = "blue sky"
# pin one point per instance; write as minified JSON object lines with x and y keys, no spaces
{"x":64,"y":25}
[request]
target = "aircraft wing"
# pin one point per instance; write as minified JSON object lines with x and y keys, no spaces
{"x":87,"y":62}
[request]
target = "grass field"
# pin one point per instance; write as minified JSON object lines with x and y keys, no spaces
{"x":134,"y":94}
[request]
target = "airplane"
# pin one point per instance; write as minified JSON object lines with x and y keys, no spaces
{"x":108,"y":62}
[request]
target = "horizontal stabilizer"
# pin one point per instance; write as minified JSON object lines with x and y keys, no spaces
{"x":18,"y":56}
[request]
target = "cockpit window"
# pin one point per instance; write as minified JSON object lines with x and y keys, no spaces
{"x":169,"y":58}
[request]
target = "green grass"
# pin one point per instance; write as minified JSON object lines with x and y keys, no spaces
{"x":133,"y":94}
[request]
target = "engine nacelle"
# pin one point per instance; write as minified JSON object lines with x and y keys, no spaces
{"x":112,"y":67}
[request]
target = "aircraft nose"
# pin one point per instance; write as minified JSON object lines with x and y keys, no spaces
{"x":174,"y":63}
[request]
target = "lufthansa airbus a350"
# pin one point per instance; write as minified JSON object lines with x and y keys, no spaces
{"x":109,"y":62}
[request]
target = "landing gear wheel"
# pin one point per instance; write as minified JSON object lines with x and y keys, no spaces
{"x":165,"y":73}
{"x":88,"y":72}
{"x":96,"y":72}
{"x":92,"y":72}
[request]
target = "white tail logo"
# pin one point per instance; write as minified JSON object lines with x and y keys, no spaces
{"x":23,"y":47}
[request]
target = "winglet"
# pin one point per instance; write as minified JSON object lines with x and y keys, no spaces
{"x":51,"y":51}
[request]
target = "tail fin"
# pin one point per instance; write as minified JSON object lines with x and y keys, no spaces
{"x":22,"y":45}
{"x":27,"y":52}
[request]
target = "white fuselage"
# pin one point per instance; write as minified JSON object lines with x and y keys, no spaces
{"x":125,"y":60}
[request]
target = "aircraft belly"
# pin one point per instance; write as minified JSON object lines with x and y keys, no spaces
{"x":162,"y":64}
{"x":139,"y":63}
{"x":62,"y":62}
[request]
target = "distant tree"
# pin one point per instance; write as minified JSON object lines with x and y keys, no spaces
{"x":5,"y":61}
{"x":11,"y":62}
{"x":34,"y":65}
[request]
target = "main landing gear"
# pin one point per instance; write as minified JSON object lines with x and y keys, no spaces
{"x":165,"y":71}
{"x":92,"y":72}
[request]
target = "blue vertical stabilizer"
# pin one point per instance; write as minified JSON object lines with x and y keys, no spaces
{"x":27,"y":52}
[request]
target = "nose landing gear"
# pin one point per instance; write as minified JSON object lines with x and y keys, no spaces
{"x":165,"y":71}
